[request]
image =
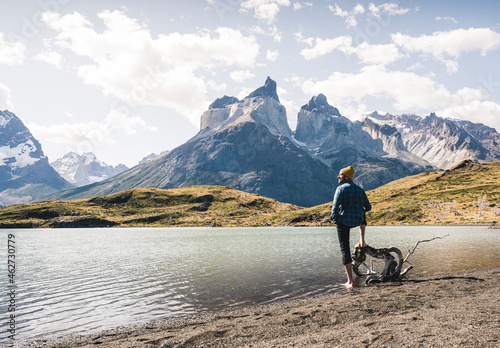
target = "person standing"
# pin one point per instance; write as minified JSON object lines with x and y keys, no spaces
{"x":348,"y":210}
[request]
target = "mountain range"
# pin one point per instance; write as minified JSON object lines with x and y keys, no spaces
{"x":85,"y":169}
{"x":248,"y":145}
{"x":245,"y":144}
{"x":25,"y":172}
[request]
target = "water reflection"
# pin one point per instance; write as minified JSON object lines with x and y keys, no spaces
{"x":80,"y":280}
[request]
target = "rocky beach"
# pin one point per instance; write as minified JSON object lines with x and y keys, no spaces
{"x":440,"y":310}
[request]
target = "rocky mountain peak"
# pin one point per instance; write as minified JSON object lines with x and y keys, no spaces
{"x":24,"y":169}
{"x":262,"y":106}
{"x":85,"y":169}
{"x":18,"y":147}
{"x":384,"y":129}
{"x":268,"y":90}
{"x":221,"y":103}
{"x":316,"y":119}
{"x":320,"y":104}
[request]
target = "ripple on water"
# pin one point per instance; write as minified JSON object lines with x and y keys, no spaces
{"x":82,"y":281}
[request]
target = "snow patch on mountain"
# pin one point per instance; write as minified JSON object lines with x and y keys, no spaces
{"x":25,"y":172}
{"x":85,"y":169}
{"x":18,"y":156}
{"x":3,"y":121}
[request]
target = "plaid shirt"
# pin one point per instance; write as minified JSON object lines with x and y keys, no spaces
{"x":349,"y":205}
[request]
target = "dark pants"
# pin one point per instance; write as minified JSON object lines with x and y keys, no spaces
{"x":343,"y":234}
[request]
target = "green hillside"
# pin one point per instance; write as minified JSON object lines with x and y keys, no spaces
{"x":469,"y":193}
{"x":189,"y":206}
{"x":466,"y":194}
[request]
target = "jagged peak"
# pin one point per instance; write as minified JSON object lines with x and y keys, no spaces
{"x":6,"y":116}
{"x":7,"y":113}
{"x":383,"y":128}
{"x":376,"y":115}
{"x":320,"y":103}
{"x":268,"y":90}
{"x":221,"y":103}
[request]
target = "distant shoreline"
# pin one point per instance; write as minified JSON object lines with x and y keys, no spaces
{"x":496,"y":226}
{"x":454,"y":309}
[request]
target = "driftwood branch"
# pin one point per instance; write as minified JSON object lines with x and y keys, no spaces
{"x":412,"y":250}
{"x":392,"y":268}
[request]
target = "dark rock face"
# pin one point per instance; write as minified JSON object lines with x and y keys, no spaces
{"x":376,"y":151}
{"x":268,"y":90}
{"x":25,"y":173}
{"x":317,"y":119}
{"x":319,"y":104}
{"x":246,"y":145}
{"x":244,"y":156}
{"x":221,"y":103}
{"x":247,"y":157}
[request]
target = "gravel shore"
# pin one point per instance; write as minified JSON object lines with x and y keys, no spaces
{"x":446,"y":310}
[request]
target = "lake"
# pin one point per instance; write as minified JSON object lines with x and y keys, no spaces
{"x":69,"y":281}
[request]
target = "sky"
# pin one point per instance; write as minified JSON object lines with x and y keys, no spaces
{"x":124,"y":79}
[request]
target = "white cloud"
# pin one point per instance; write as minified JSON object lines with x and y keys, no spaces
{"x":53,"y":58}
{"x":291,"y":106}
{"x":5,"y":102}
{"x":358,"y":9}
{"x":215,"y":86}
{"x":325,"y":46}
{"x":84,"y":137}
{"x":486,"y":112}
{"x":272,"y":55}
{"x":451,"y":66}
{"x":416,"y":66}
{"x":300,"y":5}
{"x":351,"y":20}
{"x":241,"y":75}
{"x":337,"y":11}
{"x":448,"y":19}
{"x":366,"y":53}
{"x":126,"y":62}
{"x":299,"y":37}
{"x":244,"y":92}
{"x":391,"y":9}
{"x":11,"y":53}
{"x":377,"y":54}
{"x":271,"y":31}
{"x":407,"y":91}
{"x":265,"y":10}
{"x":450,"y":43}
{"x":454,"y":43}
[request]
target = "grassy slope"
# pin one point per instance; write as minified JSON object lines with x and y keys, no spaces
{"x":468,"y":193}
{"x":189,"y":206}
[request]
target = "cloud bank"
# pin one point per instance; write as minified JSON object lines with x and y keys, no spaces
{"x":126,"y":62}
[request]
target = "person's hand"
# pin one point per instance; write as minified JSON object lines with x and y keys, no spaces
{"x":362,"y":244}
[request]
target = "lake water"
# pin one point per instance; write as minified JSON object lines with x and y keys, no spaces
{"x":70,"y":281}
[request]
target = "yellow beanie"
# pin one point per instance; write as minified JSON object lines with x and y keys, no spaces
{"x":349,"y":172}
